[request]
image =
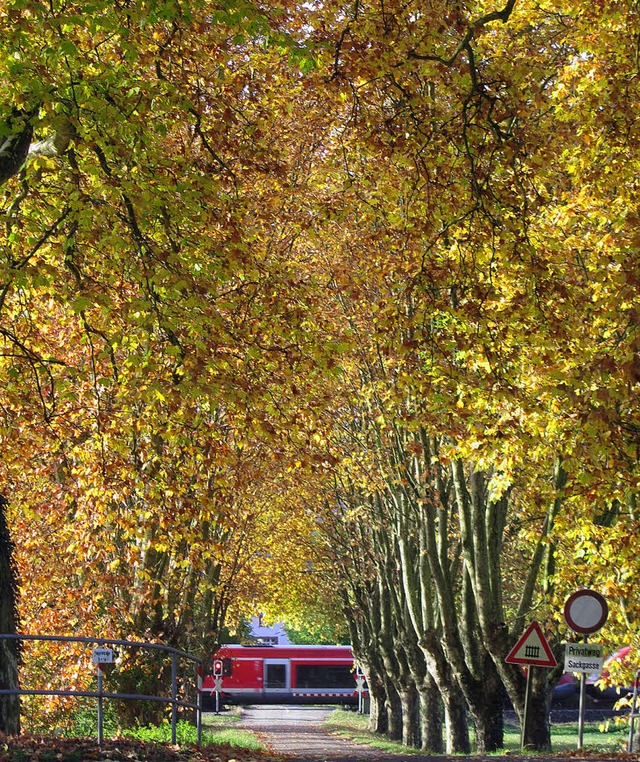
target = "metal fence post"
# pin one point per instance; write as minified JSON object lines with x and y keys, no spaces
{"x":100,"y":720}
{"x":199,"y":703}
{"x":174,"y":697}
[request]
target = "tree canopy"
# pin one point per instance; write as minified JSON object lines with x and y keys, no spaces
{"x":324,"y":302}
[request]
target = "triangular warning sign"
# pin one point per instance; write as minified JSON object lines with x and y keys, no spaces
{"x":532,"y":648}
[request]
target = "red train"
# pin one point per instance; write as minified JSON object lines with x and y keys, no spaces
{"x":283,"y":674}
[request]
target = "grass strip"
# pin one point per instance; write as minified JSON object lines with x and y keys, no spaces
{"x":598,"y":737}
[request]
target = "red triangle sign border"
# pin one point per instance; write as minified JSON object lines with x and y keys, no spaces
{"x":515,"y":657}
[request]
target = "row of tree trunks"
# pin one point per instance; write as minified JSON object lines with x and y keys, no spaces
{"x":434,"y":614}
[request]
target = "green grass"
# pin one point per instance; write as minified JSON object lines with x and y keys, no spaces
{"x":215,"y":734}
{"x":229,"y":716}
{"x":241,"y":739}
{"x":597,"y":737}
{"x":220,"y":728}
{"x":354,"y":726}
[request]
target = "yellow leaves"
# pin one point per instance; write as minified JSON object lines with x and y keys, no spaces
{"x":45,"y":163}
{"x":349,"y":237}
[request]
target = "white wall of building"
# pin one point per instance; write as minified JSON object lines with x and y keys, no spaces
{"x":274,"y":634}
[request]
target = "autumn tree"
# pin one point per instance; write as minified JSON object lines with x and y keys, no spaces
{"x":390,"y":246}
{"x":150,"y":320}
{"x":499,"y":239}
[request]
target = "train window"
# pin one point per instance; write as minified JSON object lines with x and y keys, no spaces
{"x":324,"y":676}
{"x":227,"y":667}
{"x":275,"y":676}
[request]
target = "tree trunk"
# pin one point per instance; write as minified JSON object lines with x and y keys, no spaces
{"x":456,"y":722}
{"x":15,"y":147}
{"x":410,"y":724}
{"x":485,"y":699}
{"x":9,"y":649}
{"x":455,"y":705}
{"x":393,"y":707}
{"x":377,"y":698}
{"x":488,"y":717}
{"x":431,"y":738}
{"x":538,"y":735}
{"x":377,"y":711}
{"x":538,"y":730}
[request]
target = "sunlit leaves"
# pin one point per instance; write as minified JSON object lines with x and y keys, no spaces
{"x":151,"y":320}
{"x":273,"y":238}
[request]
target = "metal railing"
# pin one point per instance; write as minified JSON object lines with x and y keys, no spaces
{"x":100,"y":694}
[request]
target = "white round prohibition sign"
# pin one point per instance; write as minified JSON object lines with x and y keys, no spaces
{"x":585,"y":611}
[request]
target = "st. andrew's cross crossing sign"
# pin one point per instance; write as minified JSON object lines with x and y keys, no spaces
{"x":532,"y":649}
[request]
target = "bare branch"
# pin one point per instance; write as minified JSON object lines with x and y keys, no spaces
{"x":502,"y":15}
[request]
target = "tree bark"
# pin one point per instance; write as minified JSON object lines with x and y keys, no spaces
{"x":431,"y":714}
{"x":393,"y":706}
{"x":18,"y":146}
{"x":410,"y":724}
{"x":15,"y":147}
{"x":488,"y":715}
{"x":9,"y":649}
{"x":455,"y":721}
{"x":378,"y":722}
{"x":538,"y":730}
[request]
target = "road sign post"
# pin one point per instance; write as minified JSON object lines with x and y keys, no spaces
{"x":532,"y":650}
{"x":100,"y":657}
{"x":360,"y":687}
{"x":585,"y":611}
{"x":100,"y":709}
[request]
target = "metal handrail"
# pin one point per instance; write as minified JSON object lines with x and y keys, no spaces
{"x":100,"y":694}
{"x":99,"y":641}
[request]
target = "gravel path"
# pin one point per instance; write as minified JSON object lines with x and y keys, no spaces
{"x":298,"y":731}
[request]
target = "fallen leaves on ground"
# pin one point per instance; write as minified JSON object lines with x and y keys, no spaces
{"x":594,"y":754}
{"x":28,"y":748}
